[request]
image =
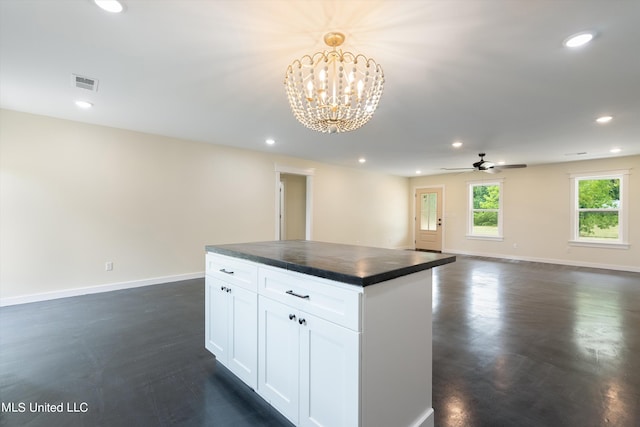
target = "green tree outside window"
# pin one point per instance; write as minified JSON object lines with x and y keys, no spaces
{"x":486,"y":206}
{"x":598,"y":208}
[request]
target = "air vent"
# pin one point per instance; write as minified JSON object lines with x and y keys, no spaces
{"x":83,"y":82}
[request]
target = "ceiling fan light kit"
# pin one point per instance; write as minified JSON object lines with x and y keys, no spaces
{"x":334,"y":91}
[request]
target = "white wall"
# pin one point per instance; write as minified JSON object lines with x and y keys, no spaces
{"x":537,"y":212}
{"x":74,"y":196}
{"x":361,"y":208}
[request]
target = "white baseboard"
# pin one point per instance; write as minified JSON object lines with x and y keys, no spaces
{"x":425,"y":420}
{"x":547,"y":260}
{"x":65,"y":293}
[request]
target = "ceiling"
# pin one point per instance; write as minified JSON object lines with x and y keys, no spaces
{"x":492,"y":74}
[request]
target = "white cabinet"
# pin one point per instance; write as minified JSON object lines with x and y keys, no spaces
{"x":322,"y":352}
{"x":329,"y":374}
{"x":308,"y":365}
{"x":231,"y":316}
{"x":279,"y":358}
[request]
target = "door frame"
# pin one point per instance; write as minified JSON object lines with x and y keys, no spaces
{"x":308,"y":173}
{"x":282,"y":213}
{"x":413,"y":212}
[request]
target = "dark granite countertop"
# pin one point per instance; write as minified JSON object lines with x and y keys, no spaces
{"x":355,"y":265}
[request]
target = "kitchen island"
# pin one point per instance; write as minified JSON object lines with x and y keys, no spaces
{"x":330,"y":335}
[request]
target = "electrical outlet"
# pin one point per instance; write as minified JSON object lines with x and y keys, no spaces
{"x":108,"y":266}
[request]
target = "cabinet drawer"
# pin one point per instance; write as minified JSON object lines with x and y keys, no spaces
{"x":232,"y":270}
{"x":323,"y":298}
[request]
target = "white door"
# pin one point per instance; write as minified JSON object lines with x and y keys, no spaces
{"x":242,"y":352}
{"x":216,"y":318}
{"x":428,"y":219}
{"x":329,"y":375}
{"x":278,"y":346}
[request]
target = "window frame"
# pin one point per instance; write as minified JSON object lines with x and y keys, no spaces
{"x":470,"y":210}
{"x":622,"y":241}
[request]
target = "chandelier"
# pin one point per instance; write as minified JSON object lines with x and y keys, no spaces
{"x":334,"y":91}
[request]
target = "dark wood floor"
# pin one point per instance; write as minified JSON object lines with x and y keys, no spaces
{"x":515,"y":344}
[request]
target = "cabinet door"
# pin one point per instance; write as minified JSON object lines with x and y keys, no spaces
{"x":216,"y":318}
{"x":242,"y":352}
{"x":329,"y":374}
{"x":278,"y":356}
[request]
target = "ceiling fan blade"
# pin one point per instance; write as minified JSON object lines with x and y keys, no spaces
{"x":511,"y":166}
{"x":490,"y":170}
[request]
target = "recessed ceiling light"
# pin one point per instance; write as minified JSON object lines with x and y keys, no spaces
{"x":615,"y":150}
{"x":457,"y":144}
{"x":604,"y":119}
{"x":270,"y":141}
{"x":113,"y":6}
{"x":501,"y":162}
{"x":418,"y":172}
{"x":84,"y":104}
{"x":362,"y":160}
{"x":579,"y":39}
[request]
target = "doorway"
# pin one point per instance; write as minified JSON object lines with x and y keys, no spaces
{"x":293,"y":200}
{"x":428,"y":219}
{"x":294,"y":191}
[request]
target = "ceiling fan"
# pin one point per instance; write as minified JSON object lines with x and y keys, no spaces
{"x":487,"y":166}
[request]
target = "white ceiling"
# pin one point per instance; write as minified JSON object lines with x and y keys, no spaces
{"x":492,"y":74}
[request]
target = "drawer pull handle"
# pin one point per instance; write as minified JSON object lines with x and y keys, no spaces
{"x":223,"y":288}
{"x":302,"y":321}
{"x":290,"y":292}
{"x":292,"y":317}
{"x":225,"y":271}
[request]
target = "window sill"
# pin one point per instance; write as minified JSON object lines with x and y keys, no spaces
{"x":594,"y":244}
{"x":479,"y":237}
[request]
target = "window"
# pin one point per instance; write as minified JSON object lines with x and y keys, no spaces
{"x":599,"y":211}
{"x":429,"y":211}
{"x":485,"y":210}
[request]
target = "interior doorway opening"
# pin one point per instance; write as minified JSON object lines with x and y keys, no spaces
{"x":294,"y":193}
{"x":293,"y":206}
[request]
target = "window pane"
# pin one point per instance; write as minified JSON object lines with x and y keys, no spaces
{"x":598,"y":193}
{"x":486,"y":197}
{"x":485,"y":223}
{"x":428,"y":211}
{"x":599,"y":225}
